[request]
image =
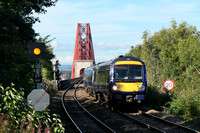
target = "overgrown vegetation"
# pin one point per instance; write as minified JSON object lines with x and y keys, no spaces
{"x":16,"y":32}
{"x":155,"y":98}
{"x":16,"y":116}
{"x":173,"y":53}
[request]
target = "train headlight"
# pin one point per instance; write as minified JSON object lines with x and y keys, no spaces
{"x":115,"y":88}
{"x":142,"y":88}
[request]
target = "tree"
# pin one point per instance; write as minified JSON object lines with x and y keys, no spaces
{"x":16,"y":32}
{"x":173,"y":53}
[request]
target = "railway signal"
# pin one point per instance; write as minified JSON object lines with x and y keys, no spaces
{"x":38,"y":98}
{"x":36,"y":51}
{"x":168,"y":84}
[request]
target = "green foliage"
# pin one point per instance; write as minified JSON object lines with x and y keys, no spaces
{"x":16,"y":33}
{"x":173,"y":53}
{"x":11,"y":101}
{"x":156,"y":99}
{"x":186,"y":104}
{"x":57,"y":125}
{"x":23,"y":118}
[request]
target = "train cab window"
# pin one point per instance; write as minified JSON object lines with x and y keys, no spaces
{"x":135,"y":72}
{"x":128,"y":73}
{"x":121,"y":72}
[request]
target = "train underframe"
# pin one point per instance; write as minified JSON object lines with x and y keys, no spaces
{"x":116,"y":100}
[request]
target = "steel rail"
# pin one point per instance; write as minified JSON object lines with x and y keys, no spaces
{"x":62,"y":100}
{"x":108,"y":129}
{"x":169,"y":122}
{"x":142,"y":123}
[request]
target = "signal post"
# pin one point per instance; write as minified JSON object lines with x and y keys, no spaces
{"x":37,"y":53}
{"x":38,"y":98}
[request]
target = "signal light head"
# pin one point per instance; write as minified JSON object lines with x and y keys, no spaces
{"x":37,"y":51}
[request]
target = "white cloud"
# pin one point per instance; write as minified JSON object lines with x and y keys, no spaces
{"x":65,"y":60}
{"x":103,"y":58}
{"x":113,"y":45}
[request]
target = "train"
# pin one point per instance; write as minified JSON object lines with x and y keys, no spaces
{"x":120,"y":80}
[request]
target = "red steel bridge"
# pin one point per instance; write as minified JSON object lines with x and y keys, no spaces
{"x":83,"y":51}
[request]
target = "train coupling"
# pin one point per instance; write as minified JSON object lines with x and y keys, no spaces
{"x":129,"y":98}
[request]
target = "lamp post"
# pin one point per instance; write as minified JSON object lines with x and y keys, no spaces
{"x":54,"y":72}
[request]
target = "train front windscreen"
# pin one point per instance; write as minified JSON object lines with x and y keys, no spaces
{"x":128,"y":73}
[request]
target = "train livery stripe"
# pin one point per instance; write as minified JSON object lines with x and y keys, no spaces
{"x":129,"y":87}
{"x":128,"y":63}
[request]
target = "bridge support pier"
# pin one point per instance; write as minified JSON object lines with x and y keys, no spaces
{"x":83,"y":51}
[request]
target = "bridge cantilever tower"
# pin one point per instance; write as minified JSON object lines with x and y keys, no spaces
{"x":83,"y":50}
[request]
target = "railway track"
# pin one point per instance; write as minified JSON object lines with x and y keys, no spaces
{"x":111,"y":118}
{"x":83,"y":120}
{"x":56,"y":105}
{"x":157,"y":124}
{"x":66,"y":83}
{"x":154,"y":123}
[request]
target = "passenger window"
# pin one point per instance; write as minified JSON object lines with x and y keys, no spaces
{"x":101,"y":76}
{"x":107,"y":76}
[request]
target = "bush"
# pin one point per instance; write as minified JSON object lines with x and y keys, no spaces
{"x":186,"y":104}
{"x":16,"y":116}
{"x":155,"y":98}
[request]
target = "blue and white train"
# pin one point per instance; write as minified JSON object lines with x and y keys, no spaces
{"x":121,"y":80}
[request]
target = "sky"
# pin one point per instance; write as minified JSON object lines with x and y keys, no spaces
{"x":115,"y":25}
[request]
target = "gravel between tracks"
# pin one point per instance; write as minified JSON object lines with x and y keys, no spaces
{"x":56,"y":108}
{"x":81,"y":118}
{"x":194,"y":124}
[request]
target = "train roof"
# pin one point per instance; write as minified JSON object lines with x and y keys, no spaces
{"x":124,"y":58}
{"x":113,"y":61}
{"x":127,"y":58}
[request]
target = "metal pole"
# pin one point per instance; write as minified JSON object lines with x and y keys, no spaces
{"x":37,"y":72}
{"x":54,"y":75}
